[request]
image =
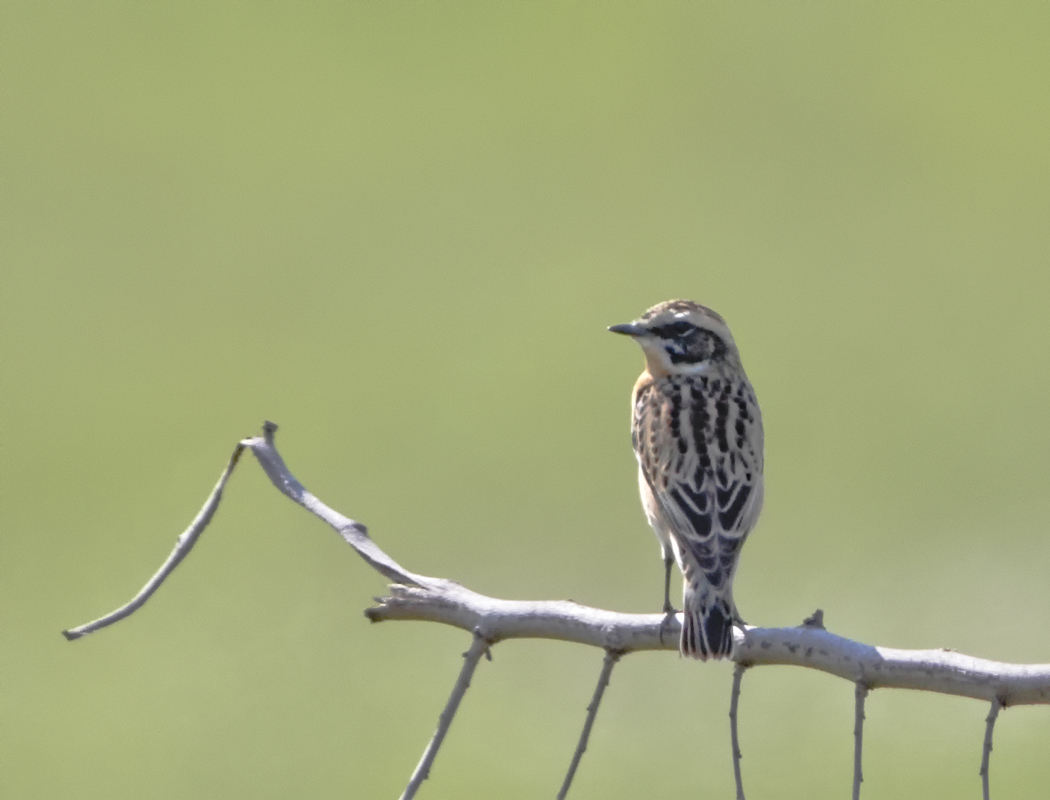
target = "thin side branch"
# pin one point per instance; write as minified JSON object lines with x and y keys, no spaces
{"x":354,"y":533}
{"x":611,"y":657}
{"x":734,"y":702}
{"x":478,"y":648}
{"x":183,"y":545}
{"x":987,"y":755}
{"x":858,"y":739}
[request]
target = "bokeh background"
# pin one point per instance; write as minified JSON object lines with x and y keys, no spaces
{"x":399,"y":230}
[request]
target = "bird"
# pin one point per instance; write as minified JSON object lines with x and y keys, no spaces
{"x":697,"y":433}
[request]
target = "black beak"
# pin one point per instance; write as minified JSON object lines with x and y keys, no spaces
{"x":630,"y":329}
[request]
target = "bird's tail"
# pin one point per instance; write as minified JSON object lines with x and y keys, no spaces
{"x":707,"y":627}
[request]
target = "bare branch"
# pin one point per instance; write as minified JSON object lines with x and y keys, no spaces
{"x":183,"y":545}
{"x":611,"y":657}
{"x":498,"y":619}
{"x":943,"y":671}
{"x":738,"y":676}
{"x":987,"y":755}
{"x":478,"y":648}
{"x":858,"y":739}
{"x":491,"y":620}
{"x":419,"y":597}
{"x":355,"y":534}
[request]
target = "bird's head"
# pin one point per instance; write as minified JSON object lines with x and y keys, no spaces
{"x":681,"y":337}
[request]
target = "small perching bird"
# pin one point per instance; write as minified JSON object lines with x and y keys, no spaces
{"x":697,"y":433}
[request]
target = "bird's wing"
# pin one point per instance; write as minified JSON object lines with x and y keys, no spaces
{"x":708,"y":487}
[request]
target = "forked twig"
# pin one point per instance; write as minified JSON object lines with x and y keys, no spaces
{"x":478,"y":648}
{"x":611,"y":657}
{"x":734,"y":701}
{"x":987,"y":755}
{"x":262,"y":447}
{"x":858,"y":736}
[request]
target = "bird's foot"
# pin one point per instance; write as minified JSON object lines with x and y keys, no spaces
{"x":668,"y":623}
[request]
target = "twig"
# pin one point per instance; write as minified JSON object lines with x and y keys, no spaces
{"x":183,"y":545}
{"x":470,"y":661}
{"x":858,"y":736}
{"x":941,"y":671}
{"x":738,"y":676}
{"x":355,"y":534}
{"x":611,"y":657}
{"x":987,"y":755}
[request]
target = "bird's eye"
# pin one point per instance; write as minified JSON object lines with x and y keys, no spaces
{"x":673,"y":330}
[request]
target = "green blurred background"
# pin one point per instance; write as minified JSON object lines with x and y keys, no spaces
{"x":399,"y":230}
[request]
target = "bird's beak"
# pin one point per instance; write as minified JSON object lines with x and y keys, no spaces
{"x":630,"y":329}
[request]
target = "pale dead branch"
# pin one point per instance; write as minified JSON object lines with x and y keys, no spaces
{"x":491,"y":620}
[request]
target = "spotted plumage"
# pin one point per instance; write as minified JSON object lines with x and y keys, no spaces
{"x":697,"y":434}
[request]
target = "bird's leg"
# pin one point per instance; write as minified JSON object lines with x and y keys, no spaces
{"x":668,"y":563}
{"x":669,"y":610}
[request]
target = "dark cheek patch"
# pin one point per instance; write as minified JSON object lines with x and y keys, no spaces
{"x":694,"y":347}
